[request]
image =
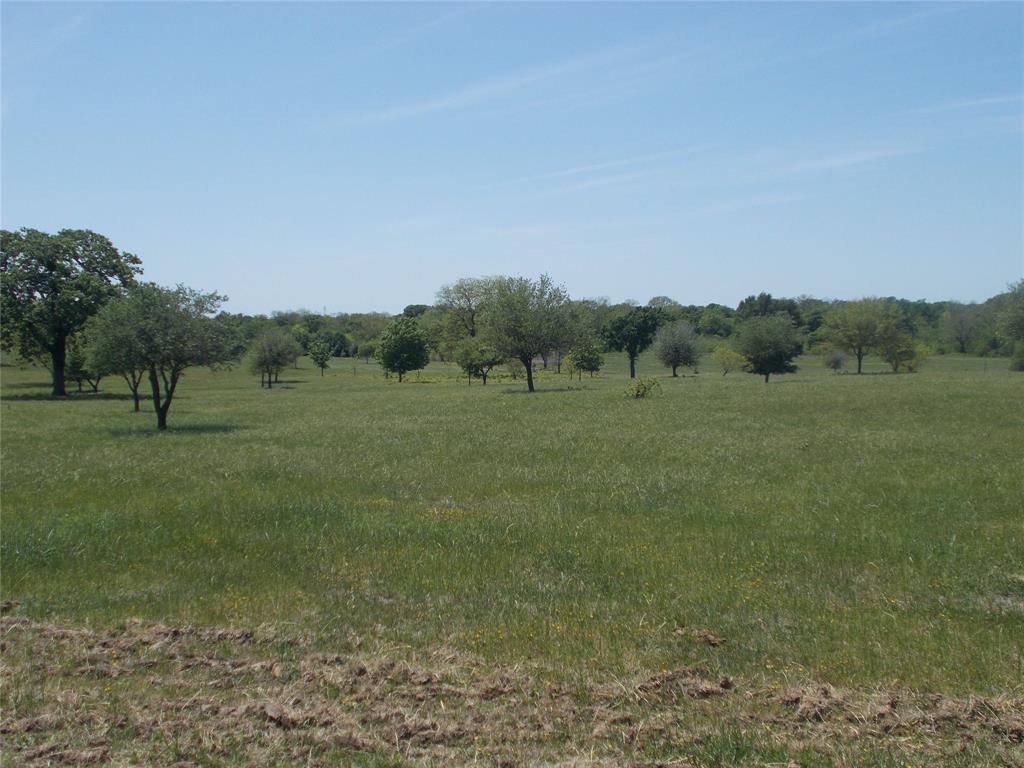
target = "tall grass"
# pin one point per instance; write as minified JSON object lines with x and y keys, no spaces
{"x":857,"y":529}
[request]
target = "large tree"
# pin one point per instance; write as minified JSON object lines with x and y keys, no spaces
{"x":853,"y":326}
{"x":402,"y":347}
{"x":677,"y":344}
{"x":769,"y":343}
{"x":633,"y":332}
{"x":172,"y":330}
{"x":464,"y":301}
{"x":525,"y":319}
{"x":52,"y":285}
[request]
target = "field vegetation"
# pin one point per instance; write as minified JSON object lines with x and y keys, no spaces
{"x":751,"y":570}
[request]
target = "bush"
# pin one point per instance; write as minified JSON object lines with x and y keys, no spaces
{"x":835,"y":360}
{"x":921,"y":352}
{"x":642,"y":387}
{"x":1017,"y":362}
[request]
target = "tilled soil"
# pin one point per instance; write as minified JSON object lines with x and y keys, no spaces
{"x":150,"y":694}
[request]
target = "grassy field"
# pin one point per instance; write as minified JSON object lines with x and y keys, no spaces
{"x":863,"y":532}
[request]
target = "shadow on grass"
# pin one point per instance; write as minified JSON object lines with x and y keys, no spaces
{"x":186,"y":429}
{"x":541,"y":391}
{"x":29,"y":385}
{"x":75,"y":397}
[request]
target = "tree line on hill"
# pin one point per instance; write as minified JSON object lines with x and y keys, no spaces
{"x":75,"y":303}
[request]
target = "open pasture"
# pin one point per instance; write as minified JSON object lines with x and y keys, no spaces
{"x":864,"y":532}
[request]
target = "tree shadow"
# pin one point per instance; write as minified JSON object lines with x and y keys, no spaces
{"x":186,"y":429}
{"x":75,"y":397}
{"x":542,"y":391}
{"x":29,"y":385}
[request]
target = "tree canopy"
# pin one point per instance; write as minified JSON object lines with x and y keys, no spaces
{"x":402,"y":347}
{"x":633,"y":332}
{"x":52,"y":285}
{"x":171,"y":330}
{"x":769,"y":343}
{"x":524,"y":319}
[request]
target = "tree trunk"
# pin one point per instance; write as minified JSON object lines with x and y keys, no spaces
{"x":544,"y":360}
{"x":135,"y":395}
{"x":154,"y":383}
{"x":632,"y":366}
{"x":528,"y":365}
{"x":484,"y":377}
{"x":58,"y":356}
{"x":399,"y":377}
{"x":161,"y":419}
{"x":860,"y":359}
{"x":674,"y":374}
{"x":766,"y":377}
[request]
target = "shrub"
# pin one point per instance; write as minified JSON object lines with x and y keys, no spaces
{"x":835,"y":360}
{"x":642,"y":387}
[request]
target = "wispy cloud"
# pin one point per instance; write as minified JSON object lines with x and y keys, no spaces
{"x":962,"y":104}
{"x":426,"y":28}
{"x":495,"y":87}
{"x":846,"y":159}
{"x":581,"y":170}
{"x":896,"y":23}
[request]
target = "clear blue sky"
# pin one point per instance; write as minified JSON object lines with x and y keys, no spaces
{"x":357,"y":156}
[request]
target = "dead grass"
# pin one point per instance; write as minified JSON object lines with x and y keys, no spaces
{"x":151,"y":694}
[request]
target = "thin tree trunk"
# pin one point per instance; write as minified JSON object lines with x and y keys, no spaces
{"x":528,"y":365}
{"x":766,"y":377}
{"x":674,"y":374}
{"x":632,"y":366}
{"x":860,"y":359}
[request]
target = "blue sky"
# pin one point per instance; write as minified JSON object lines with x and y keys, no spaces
{"x":356,"y":157}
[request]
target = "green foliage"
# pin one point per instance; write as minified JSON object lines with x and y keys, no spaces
{"x":525,"y":319}
{"x":765,"y":305}
{"x":402,"y":347}
{"x":920,"y":354}
{"x":463,"y":303}
{"x":633,"y":332}
{"x":894,"y":342}
{"x":642,"y":387}
{"x":476,"y":358}
{"x":727,"y":359}
{"x":368,"y":350}
{"x":52,"y":285}
{"x":586,"y":357}
{"x":320,"y":354}
{"x":271,"y":352}
{"x":78,"y":367}
{"x":769,"y":344}
{"x":168,"y":331}
{"x":853,"y":326}
{"x":677,"y":344}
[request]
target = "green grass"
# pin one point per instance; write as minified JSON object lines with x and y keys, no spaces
{"x":861,"y":530}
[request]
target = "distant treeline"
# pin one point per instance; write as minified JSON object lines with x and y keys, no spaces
{"x":944,"y":326}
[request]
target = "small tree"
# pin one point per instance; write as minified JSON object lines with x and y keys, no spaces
{"x":320,"y":354}
{"x":476,"y":358}
{"x":633,"y":332}
{"x":835,"y":360}
{"x":368,"y":350}
{"x":960,"y":324}
{"x":894,"y":341}
{"x":727,"y":358}
{"x":853,"y":326}
{"x":525,"y":319}
{"x":403,"y":347}
{"x":77,"y":365}
{"x":172,"y":331}
{"x":677,"y":344}
{"x":586,"y":356}
{"x":115,"y":345}
{"x":769,"y":343}
{"x":271,"y":352}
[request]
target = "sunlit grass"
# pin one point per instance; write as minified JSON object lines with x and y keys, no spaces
{"x":860,"y":530}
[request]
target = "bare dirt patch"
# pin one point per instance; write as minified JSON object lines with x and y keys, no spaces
{"x":157,"y":695}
